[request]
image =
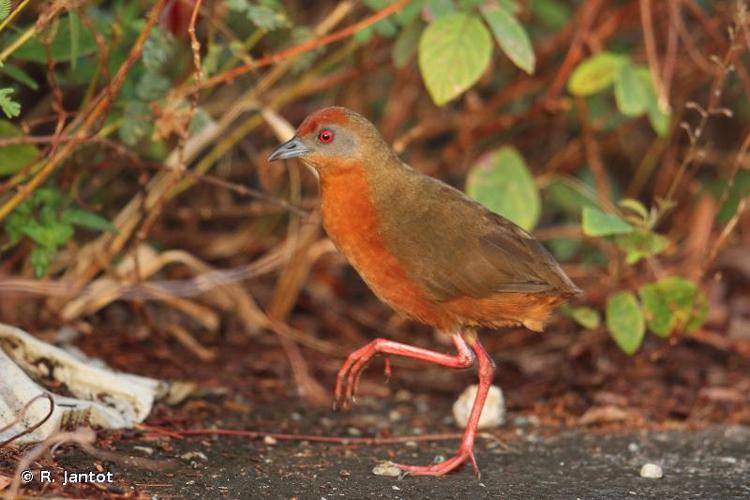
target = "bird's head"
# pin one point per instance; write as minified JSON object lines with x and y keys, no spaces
{"x":335,"y":138}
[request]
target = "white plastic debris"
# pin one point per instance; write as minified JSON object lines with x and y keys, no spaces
{"x":493,"y":413}
{"x":102,"y":397}
{"x":651,"y":471}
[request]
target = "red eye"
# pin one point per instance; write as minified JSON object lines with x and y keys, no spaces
{"x":325,"y":136}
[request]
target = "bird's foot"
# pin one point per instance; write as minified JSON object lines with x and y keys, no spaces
{"x":347,"y":378}
{"x":464,"y":454}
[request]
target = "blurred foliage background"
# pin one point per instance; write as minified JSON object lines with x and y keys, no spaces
{"x":134,"y":188}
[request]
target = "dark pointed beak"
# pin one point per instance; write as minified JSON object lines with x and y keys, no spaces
{"x":293,"y":148}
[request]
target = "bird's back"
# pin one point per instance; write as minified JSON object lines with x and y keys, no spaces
{"x":459,"y":252}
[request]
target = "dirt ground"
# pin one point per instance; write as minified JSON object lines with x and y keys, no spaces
{"x":519,"y":460}
{"x":583,"y":418}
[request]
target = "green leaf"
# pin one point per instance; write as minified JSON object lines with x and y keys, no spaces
{"x":136,"y":122}
{"x":673,"y":304}
{"x":634,"y":206}
{"x":501,"y":181}
{"x":10,"y":107}
{"x":406,"y":44}
{"x":19,"y":75}
{"x":439,"y":8}
{"x":268,"y":16}
{"x":75,"y":38}
{"x":511,"y":6}
{"x":511,"y":36}
{"x":50,"y":236}
{"x":4,"y":9}
{"x":642,"y":243}
{"x":14,"y":158}
{"x":469,"y":4}
{"x":585,"y":316}
{"x":409,"y":13}
{"x":597,"y":223}
{"x":88,"y":220}
{"x":152,"y":86}
{"x":625,"y":322}
{"x":659,"y":120}
{"x":156,"y":51}
{"x":554,"y":13}
{"x":595,"y":74}
{"x":34,"y":50}
{"x":454,"y":51}
{"x":40,"y":260}
{"x":631,"y":93}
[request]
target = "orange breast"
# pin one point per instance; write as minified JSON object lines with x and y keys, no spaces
{"x":351,"y":220}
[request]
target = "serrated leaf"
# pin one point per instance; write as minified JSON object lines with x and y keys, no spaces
{"x":631,"y":95}
{"x":625,"y":322}
{"x":267,"y":15}
{"x":597,"y":223}
{"x":641,"y":243}
{"x":152,"y":86}
{"x":594,"y":74}
{"x":60,"y":50}
{"x":136,"y":122}
{"x":406,"y":44}
{"x":156,"y":51}
{"x":88,"y":220}
{"x":10,"y":107}
{"x":454,"y":51}
{"x":673,"y":304}
{"x":511,"y":36}
{"x":585,"y":316}
{"x":13,"y":158}
{"x":501,"y":181}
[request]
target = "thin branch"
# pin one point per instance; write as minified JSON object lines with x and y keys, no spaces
{"x":305,"y":46}
{"x":91,"y":117}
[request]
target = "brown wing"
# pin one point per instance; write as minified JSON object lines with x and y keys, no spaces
{"x":454,"y":247}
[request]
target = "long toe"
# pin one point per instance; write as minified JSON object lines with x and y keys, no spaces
{"x":442,"y":468}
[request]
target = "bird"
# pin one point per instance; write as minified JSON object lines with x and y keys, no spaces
{"x":428,"y":251}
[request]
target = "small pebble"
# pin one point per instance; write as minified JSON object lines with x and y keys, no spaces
{"x":633,"y":447}
{"x":353,"y":431}
{"x":386,"y":469}
{"x":651,"y":471}
{"x":403,"y":395}
{"x":145,"y":449}
{"x":729,"y":460}
{"x":270,"y":440}
{"x":194,"y":454}
{"x":493,"y":413}
{"x":394,"y":487}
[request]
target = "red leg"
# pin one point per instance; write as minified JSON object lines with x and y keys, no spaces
{"x":348,"y":375}
{"x":466,"y":449}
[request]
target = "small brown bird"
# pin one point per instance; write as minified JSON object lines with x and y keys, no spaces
{"x":425,"y":249}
